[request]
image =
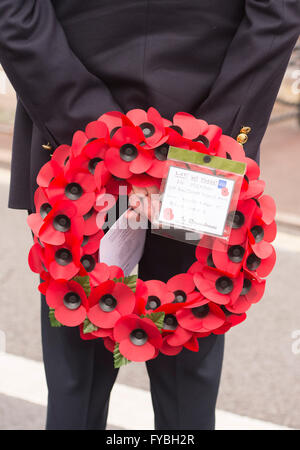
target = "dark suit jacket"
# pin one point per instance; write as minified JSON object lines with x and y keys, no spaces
{"x":72,"y":60}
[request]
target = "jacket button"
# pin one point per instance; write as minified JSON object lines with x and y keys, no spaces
{"x":242,"y":138}
{"x":47,"y":146}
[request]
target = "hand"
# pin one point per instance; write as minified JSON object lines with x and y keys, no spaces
{"x":144,"y":201}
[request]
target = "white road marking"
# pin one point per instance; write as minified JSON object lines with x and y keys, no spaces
{"x":24,"y":379}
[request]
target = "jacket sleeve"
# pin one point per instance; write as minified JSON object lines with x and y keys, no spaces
{"x":246,"y":87}
{"x":58,"y":92}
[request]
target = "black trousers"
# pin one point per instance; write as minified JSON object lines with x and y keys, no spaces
{"x":80,"y":374}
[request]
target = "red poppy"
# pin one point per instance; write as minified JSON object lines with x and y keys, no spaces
{"x":251,"y":189}
{"x":151,"y":124}
{"x":260,"y":236}
{"x":102,"y":177}
{"x":157,"y":294}
{"x":191,"y":344}
{"x":252,"y":292}
{"x":68,"y":300}
{"x":98,"y":272}
{"x":63,"y":261}
{"x":208,"y":142}
{"x":108,"y":302}
{"x":183,"y":288}
{"x":202,"y":318}
{"x":189,"y":126}
{"x":96,"y":130}
{"x":252,"y":169}
{"x":229,"y":148}
{"x":240,"y":220}
{"x":231,"y":321}
{"x":62,"y":155}
{"x":90,"y":243}
{"x":48,"y":172}
{"x":42,"y":207}
{"x":90,"y":222}
{"x":228,"y":258}
{"x":115,"y":272}
{"x":258,"y":267}
{"x":43,"y":286}
{"x":204,"y":255}
{"x":126,"y":156}
{"x":76,"y":186}
{"x":218,"y":287}
{"x":92,"y":154}
{"x":138,"y":338}
{"x":115,"y":120}
{"x":36,"y":258}
{"x":177,"y":334}
{"x":268,"y":209}
{"x":168,"y":349}
{"x":61,"y":220}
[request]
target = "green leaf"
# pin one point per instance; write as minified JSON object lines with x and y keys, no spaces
{"x":53,"y":321}
{"x":84,"y":282}
{"x":119,"y":359}
{"x":157,"y":318}
{"x":88,"y":326}
{"x":130,"y":281}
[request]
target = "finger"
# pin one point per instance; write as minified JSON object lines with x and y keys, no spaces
{"x":139,"y":191}
{"x":152,"y":190}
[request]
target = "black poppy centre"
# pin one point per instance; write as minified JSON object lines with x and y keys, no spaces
{"x":85,"y":240}
{"x":161,"y":152}
{"x":236,"y":253}
{"x":113,"y":131}
{"x":93,"y":163}
{"x":128,"y":152}
{"x":209,"y":261}
{"x":88,"y":214}
{"x":88,"y":262}
{"x":170,"y":322}
{"x":202,"y":140}
{"x":72,"y":300}
{"x":200,"y":311}
{"x":177,"y":129}
{"x":153,"y":302}
{"x":63,"y":257}
{"x":148,"y":129}
{"x":224,"y":285}
{"x":253,"y":262}
{"x":179,"y":297}
{"x":61,"y":222}
{"x":73,"y":191}
{"x":236,"y":218}
{"x":45,"y":208}
{"x":107,"y":303}
{"x":246,"y":286}
{"x":258,"y":233}
{"x":138,"y":336}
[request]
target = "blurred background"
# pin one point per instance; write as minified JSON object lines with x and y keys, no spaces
{"x":260,"y":387}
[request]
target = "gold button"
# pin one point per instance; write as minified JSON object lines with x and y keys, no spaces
{"x":246,"y":130}
{"x":47,"y":146}
{"x":242,"y":138}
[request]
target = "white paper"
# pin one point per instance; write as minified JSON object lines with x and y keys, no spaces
{"x":123,"y":245}
{"x":196,"y":201}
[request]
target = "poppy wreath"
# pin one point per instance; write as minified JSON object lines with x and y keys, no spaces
{"x":139,"y":319}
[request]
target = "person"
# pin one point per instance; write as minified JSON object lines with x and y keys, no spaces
{"x":72,"y":61}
